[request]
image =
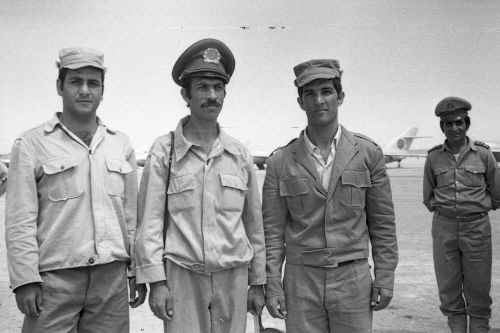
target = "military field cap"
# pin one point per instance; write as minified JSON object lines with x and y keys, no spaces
{"x":316,"y":69}
{"x":452,"y":108}
{"x":205,"y":58}
{"x":79,"y":57}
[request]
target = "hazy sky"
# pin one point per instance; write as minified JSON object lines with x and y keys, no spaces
{"x":399,"y":58}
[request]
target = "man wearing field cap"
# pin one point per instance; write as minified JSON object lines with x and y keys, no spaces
{"x":326,"y":196}
{"x":71,"y":211}
{"x":460,"y":187}
{"x":214,"y":242}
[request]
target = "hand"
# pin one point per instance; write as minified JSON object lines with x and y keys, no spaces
{"x":29,"y":299}
{"x":381,"y":297}
{"x":255,"y":300}
{"x":160,"y":300}
{"x":139,"y":289}
{"x":276,"y":306}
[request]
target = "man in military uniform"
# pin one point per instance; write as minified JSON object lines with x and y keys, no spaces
{"x":214,"y":245}
{"x":460,"y":188}
{"x":326,"y":196}
{"x":71,"y":211}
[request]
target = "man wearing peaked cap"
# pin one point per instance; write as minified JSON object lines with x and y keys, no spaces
{"x":461,"y":184}
{"x":206,"y":58}
{"x":71,"y":211}
{"x":326,"y":197}
{"x":213,"y":246}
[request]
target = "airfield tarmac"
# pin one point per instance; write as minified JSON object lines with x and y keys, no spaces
{"x":414,"y":307}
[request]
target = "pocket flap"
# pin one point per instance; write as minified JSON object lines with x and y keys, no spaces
{"x":118,"y":165}
{"x":475,"y":168}
{"x":59,"y":165}
{"x":294,"y":186}
{"x":439,"y":171}
{"x":234,"y":181}
{"x":357,"y":178}
{"x":181,"y":183}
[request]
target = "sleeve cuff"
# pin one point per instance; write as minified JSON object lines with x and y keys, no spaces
{"x":384,"y":278}
{"x":274,"y":288}
{"x":151,"y":273}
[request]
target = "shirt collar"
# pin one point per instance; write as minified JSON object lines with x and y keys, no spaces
{"x":311,"y":147}
{"x":470,"y":145}
{"x":182,"y":145}
{"x":51,"y":124}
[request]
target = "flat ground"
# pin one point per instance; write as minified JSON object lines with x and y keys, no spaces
{"x":415,"y":304}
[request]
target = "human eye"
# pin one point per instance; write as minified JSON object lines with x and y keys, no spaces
{"x":95,"y":83}
{"x":74,"y":81}
{"x":201,"y":87}
{"x":327,"y":91}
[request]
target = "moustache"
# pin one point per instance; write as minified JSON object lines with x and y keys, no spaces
{"x":211,"y":103}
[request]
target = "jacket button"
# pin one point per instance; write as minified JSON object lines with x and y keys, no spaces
{"x":91,"y":261}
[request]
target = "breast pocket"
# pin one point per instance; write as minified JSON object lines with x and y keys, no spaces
{"x":181,"y":193}
{"x":474,"y":175}
{"x":354,"y":186}
{"x":296,"y":192}
{"x":62,"y":179}
{"x":444,"y":177}
{"x":232,"y":192}
{"x":115,"y":176}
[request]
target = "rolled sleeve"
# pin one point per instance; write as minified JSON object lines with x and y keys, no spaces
{"x":252,"y":220}
{"x":149,"y":245}
{"x":21,"y":217}
{"x":381,"y":224}
{"x":275,"y":215}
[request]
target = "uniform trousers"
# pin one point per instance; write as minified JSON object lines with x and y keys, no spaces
{"x":462,"y":263}
{"x":83,"y":299}
{"x":207,"y":302}
{"x":335,"y":300}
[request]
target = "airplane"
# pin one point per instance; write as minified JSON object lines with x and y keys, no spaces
{"x":395,"y":151}
{"x":399,"y":148}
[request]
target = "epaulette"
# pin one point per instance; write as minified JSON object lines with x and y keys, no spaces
{"x":281,"y":147}
{"x":364,"y":137}
{"x":482,"y":144}
{"x":435,"y":147}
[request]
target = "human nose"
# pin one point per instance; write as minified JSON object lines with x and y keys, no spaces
{"x":211,"y":94}
{"x":84,"y":89}
{"x":318,"y":99}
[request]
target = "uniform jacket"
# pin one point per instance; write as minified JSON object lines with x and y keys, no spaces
{"x":214,"y":210}
{"x":460,"y":187}
{"x":69,"y":205}
{"x":314,"y":227}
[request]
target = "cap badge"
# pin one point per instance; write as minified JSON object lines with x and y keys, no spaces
{"x":211,"y":55}
{"x":450,"y":106}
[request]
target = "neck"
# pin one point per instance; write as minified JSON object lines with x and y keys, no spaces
{"x":322,"y":136}
{"x":201,"y":133}
{"x":458,"y":147}
{"x":84,"y":128}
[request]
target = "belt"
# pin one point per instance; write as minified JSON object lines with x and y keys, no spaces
{"x":319,"y":258}
{"x":463,"y":218}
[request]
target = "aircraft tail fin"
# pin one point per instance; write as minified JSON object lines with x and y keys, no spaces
{"x":404,"y":140}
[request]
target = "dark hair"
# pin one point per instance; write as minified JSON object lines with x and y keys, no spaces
{"x":467,"y":123}
{"x":336,"y":84}
{"x":186,"y":85}
{"x":64,"y":71}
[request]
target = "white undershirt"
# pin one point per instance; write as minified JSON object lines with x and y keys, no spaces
{"x":324,"y":168}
